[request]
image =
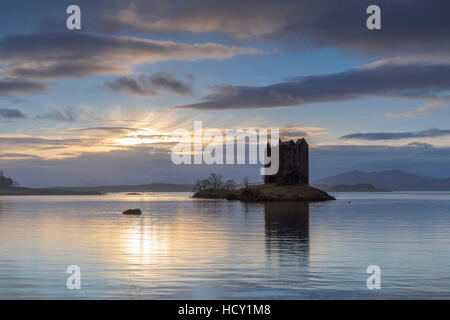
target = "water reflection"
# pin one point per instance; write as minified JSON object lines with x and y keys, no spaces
{"x":181,"y":248}
{"x":142,"y":244}
{"x":287,"y":232}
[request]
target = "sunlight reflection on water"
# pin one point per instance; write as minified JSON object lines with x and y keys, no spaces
{"x":181,"y":248}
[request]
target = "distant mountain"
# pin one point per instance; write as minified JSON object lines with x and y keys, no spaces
{"x":153,"y":187}
{"x":94,"y":183}
{"x":355,"y":188}
{"x":440,"y":184}
{"x":395,"y":180}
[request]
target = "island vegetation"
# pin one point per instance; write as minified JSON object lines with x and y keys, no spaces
{"x":214,"y":187}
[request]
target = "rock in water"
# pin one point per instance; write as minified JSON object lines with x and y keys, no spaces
{"x":133,"y":212}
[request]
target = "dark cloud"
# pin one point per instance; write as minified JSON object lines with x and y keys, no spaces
{"x":69,"y":55}
{"x":16,"y":156}
{"x":409,"y":27}
{"x":383,"y":80}
{"x":431,"y":133}
{"x":129,"y":85}
{"x":239,"y":19}
{"x":150,"y":85}
{"x":57,"y":70}
{"x":45,"y":142}
{"x":18,"y":100}
{"x":294,"y":134}
{"x":167,"y":81}
{"x":11,"y":114}
{"x":55,"y":115}
{"x":17,"y":86}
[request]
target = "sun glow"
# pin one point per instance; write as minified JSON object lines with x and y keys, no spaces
{"x":145,"y":136}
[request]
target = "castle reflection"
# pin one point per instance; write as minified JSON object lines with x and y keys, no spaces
{"x":287,"y":232}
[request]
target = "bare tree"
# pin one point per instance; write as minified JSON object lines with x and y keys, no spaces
{"x":199,"y":185}
{"x":214,"y":181}
{"x":229,"y":185}
{"x":246,"y":183}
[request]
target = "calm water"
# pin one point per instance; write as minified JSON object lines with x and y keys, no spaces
{"x":182,"y":248}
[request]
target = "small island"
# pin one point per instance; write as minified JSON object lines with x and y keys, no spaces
{"x":291,"y":183}
{"x":267,"y":192}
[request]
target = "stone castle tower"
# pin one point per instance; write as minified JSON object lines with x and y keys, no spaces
{"x":294,"y":163}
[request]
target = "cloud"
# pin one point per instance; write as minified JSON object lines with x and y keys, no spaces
{"x":428,"y":109}
{"x":55,"y":115}
{"x":412,"y":27}
{"x":44,"y":56}
{"x":40,"y":141}
{"x":150,"y":85}
{"x":16,"y":156}
{"x":18,"y":86}
{"x":11,"y":114}
{"x":108,"y":129}
{"x":431,"y":133}
{"x":409,"y":27}
{"x":47,"y":147}
{"x":66,"y":140}
{"x":238,"y":19}
{"x":416,"y":80}
{"x":18,"y":100}
{"x":294,"y":133}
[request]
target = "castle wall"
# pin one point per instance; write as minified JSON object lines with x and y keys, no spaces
{"x":294,"y":163}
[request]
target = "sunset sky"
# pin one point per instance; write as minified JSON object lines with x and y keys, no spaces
{"x":99,"y":104}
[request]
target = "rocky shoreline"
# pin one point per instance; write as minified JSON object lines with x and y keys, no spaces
{"x":267,"y":192}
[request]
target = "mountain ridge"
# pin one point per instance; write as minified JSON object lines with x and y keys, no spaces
{"x":395,"y":180}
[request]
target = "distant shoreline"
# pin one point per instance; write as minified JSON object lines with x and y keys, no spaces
{"x":99,"y":190}
{"x":45,"y":192}
{"x":152,"y":187}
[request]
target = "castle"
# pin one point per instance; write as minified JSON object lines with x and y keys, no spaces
{"x":294,"y":163}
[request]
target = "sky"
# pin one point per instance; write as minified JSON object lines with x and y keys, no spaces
{"x":98,"y":105}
